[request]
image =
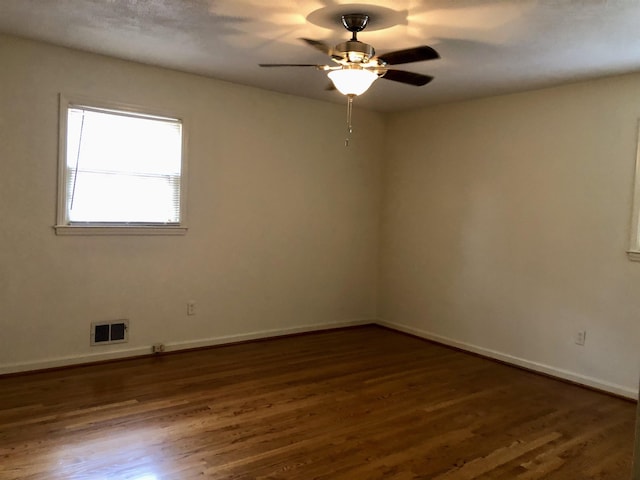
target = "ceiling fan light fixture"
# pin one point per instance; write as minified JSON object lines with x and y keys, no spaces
{"x":352,"y":81}
{"x":358,"y":67}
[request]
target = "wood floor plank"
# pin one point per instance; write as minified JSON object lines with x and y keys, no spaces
{"x":361,"y":403}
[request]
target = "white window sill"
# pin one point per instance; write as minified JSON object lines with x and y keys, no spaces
{"x":119,"y":230}
{"x":633,"y":255}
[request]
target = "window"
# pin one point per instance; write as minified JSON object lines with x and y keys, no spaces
{"x":121,"y":170}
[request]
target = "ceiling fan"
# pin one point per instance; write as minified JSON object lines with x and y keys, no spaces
{"x":357,"y":66}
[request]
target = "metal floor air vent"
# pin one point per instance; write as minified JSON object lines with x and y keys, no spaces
{"x":104,"y":333}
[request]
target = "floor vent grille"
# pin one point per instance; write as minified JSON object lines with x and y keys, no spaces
{"x":104,"y":333}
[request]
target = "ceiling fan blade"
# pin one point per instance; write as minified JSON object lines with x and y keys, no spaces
{"x":318,"y":45}
{"x":410,"y":78}
{"x":417,"y":54}
{"x":291,"y":65}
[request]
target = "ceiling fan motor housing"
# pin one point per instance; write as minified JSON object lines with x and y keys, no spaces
{"x":355,"y":51}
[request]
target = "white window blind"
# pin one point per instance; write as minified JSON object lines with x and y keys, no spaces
{"x":122,"y":168}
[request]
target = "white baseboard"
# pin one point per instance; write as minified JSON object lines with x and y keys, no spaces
{"x":520,"y":362}
{"x":70,"y":360}
{"x":264,"y":334}
{"x":171,"y":347}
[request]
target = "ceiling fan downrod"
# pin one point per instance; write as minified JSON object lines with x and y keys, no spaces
{"x":354,"y":50}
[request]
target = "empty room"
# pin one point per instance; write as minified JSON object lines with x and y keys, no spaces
{"x":319,"y":239}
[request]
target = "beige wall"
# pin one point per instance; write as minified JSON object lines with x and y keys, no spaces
{"x":283,"y":219}
{"x":504,"y":222}
{"x":505,"y":226}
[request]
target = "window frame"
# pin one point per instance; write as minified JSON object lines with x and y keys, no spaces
{"x":63,"y":225}
{"x":634,"y":241}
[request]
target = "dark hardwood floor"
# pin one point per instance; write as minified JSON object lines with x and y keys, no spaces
{"x":362,"y":403}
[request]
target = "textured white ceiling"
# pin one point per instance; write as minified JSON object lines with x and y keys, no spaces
{"x":487,"y":46}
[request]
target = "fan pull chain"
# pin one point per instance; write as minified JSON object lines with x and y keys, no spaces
{"x":349,"y":115}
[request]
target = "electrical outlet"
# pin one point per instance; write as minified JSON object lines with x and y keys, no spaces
{"x":191,"y":308}
{"x":581,"y":337}
{"x":157,"y":348}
